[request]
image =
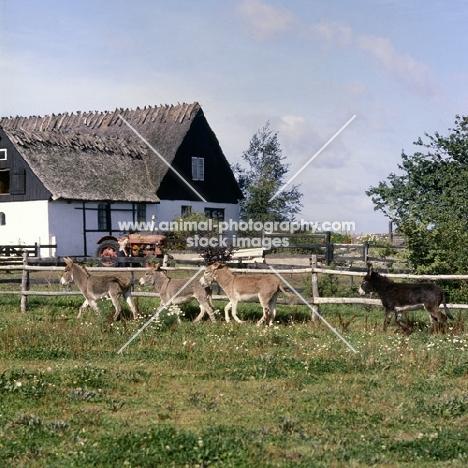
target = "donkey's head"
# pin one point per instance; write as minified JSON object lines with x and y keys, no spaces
{"x":366,"y":285}
{"x":67,"y":275}
{"x":152,"y":276}
{"x":71,"y":270}
{"x":210,"y":274}
{"x":373,"y":282}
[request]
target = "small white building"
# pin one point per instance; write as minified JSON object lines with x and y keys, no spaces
{"x":71,"y":179}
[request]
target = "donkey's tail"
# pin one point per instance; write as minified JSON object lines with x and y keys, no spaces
{"x":124,"y":282}
{"x":286,"y":293}
{"x":447,"y":311}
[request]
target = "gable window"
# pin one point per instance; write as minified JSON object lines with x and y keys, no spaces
{"x":2,"y":219}
{"x":185,"y":211}
{"x":198,"y":168}
{"x":4,"y":181}
{"x":104,"y":218}
{"x":141,"y":212}
{"x":3,"y":154}
{"x":215,"y":213}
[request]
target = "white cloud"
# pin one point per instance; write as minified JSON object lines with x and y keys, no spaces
{"x":332,"y":32}
{"x":265,"y":19}
{"x":416,"y":75}
{"x":293,"y":126}
{"x":303,"y":139}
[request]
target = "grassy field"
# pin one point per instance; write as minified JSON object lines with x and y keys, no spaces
{"x":228,"y":395}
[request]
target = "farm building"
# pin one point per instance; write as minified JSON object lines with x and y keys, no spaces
{"x":72,"y":178}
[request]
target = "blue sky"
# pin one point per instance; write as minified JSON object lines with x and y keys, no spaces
{"x":305,"y":66}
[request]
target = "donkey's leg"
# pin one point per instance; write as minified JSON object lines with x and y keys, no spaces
{"x":438,"y":319}
{"x":212,"y":308}
{"x":398,"y":320}
{"x":200,"y":315}
{"x":263,"y":317}
{"x":210,"y":312}
{"x":266,"y":316}
{"x":234,"y":311}
{"x":118,"y":308}
{"x":165,"y":297}
{"x":388,"y":318}
{"x":265,"y":313}
{"x":205,"y":307}
{"x":272,"y":306}
{"x":131,"y":304}
{"x":82,"y":308}
{"x":226,"y":311}
{"x":210,"y":300}
{"x":95,"y":307}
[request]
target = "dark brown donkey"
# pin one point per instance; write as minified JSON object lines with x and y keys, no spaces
{"x":400,"y":295}
{"x":98,"y":287}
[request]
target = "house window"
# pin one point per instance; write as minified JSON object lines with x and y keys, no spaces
{"x":104,"y":217}
{"x":198,"y":168}
{"x":2,"y":219}
{"x":215,"y":213}
{"x":4,"y":181}
{"x":141,"y":212}
{"x":3,"y":154}
{"x":185,"y":211}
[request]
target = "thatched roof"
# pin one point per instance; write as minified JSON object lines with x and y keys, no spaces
{"x":96,"y":156}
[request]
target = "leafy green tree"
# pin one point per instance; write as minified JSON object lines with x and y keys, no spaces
{"x":427,"y":201}
{"x":265,"y":175}
{"x":197,"y":233}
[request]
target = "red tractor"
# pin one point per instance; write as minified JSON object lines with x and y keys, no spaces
{"x":130,"y":245}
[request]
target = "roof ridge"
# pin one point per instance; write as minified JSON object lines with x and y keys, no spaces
{"x":95,"y":119}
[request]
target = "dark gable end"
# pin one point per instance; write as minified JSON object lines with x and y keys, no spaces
{"x":22,"y":183}
{"x":96,"y":156}
{"x":218,"y":184}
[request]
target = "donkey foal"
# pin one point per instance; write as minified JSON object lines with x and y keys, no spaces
{"x":253,"y":287}
{"x":98,"y":287}
{"x":400,"y":295}
{"x":168,"y":287}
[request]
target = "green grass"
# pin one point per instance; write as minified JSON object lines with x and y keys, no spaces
{"x":292,"y":395}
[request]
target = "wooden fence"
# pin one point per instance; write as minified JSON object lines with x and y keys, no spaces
{"x":314,"y":301}
{"x":328,"y":252}
{"x":10,"y":254}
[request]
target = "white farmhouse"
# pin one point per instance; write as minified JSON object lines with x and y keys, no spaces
{"x":71,"y":178}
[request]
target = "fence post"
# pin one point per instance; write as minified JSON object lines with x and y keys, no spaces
{"x":315,"y":291}
{"x":365,"y":252}
{"x":329,"y":249}
{"x":24,"y":282}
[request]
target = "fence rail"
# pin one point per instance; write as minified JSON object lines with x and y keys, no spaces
{"x":13,"y":253}
{"x":313,"y":270}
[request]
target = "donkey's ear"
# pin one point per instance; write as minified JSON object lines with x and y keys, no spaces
{"x":370,"y":268}
{"x":68,"y":260}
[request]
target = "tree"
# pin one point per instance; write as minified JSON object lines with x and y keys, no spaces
{"x":197,"y":231}
{"x":265,"y":176}
{"x":428,"y":201}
